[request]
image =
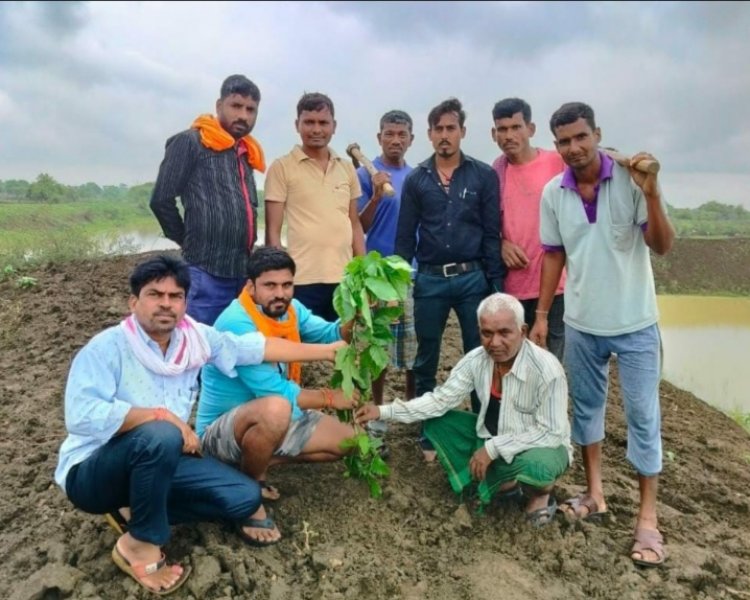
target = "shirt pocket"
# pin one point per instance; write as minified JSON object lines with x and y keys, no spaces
{"x":623,"y":237}
{"x":526,"y":403}
{"x":470,"y":210}
{"x":341,"y":196}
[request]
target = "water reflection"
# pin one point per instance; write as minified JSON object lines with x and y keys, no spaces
{"x":706,"y":348}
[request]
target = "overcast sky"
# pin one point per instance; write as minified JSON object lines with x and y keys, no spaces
{"x":91,"y":91}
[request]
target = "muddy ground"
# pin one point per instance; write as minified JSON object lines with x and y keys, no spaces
{"x":419,"y":541}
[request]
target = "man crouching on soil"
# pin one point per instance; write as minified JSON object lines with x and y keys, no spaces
{"x":521,"y":434}
{"x":129,"y":395}
{"x":264,"y":417}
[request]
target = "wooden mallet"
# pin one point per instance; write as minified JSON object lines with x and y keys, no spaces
{"x":358,"y":158}
{"x":646,"y":165}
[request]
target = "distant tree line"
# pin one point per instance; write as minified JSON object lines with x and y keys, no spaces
{"x":46,"y":189}
{"x":710,"y":219}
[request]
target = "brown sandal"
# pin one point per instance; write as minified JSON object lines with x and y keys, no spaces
{"x":648,"y":539}
{"x":580,"y":502}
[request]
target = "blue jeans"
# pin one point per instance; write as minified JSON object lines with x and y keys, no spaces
{"x":145,"y":469}
{"x":318,"y":297}
{"x":210,"y":295}
{"x":434,"y":297}
{"x":638,"y":359}
{"x":555,"y":325}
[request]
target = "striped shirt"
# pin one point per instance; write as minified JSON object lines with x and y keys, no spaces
{"x":215,"y":188}
{"x":533,"y":413}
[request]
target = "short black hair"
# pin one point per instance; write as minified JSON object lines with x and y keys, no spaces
{"x":569,"y":113}
{"x":268,"y":258}
{"x":396,"y":117}
{"x":239,"y":84}
{"x":451,"y":105}
{"x":314,"y":101}
{"x":158,"y":268}
{"x":508,"y":107}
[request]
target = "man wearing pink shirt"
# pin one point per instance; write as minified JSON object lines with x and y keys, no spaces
{"x":523,"y":171}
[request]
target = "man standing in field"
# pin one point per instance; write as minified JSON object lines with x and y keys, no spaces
{"x":449,"y":221}
{"x":129,"y":396}
{"x":210,"y":167}
{"x":523,"y":172}
{"x":318,"y":192}
{"x":379,"y":216}
{"x":599,"y":220}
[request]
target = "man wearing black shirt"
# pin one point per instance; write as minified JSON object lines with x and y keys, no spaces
{"x":210,"y":167}
{"x":450,"y":220}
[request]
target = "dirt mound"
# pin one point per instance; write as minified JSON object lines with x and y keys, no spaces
{"x":419,"y":541}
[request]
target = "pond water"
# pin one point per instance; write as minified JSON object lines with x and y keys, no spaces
{"x":707,"y":348}
{"x":135,"y":242}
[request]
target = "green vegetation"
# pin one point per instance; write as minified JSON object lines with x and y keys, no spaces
{"x":47,"y":221}
{"x":370,"y":282}
{"x":36,"y":233}
{"x":712,"y":219}
{"x":742,"y":419}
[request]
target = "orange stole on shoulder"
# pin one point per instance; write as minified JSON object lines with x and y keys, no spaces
{"x":214,"y":136}
{"x":269,"y":327}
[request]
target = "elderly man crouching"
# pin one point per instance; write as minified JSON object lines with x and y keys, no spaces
{"x":521,"y":434}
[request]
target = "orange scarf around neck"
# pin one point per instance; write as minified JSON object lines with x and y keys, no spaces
{"x":214,"y":136}
{"x":270,"y":327}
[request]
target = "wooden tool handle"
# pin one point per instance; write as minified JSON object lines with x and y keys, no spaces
{"x":356,"y":153}
{"x":644,"y":166}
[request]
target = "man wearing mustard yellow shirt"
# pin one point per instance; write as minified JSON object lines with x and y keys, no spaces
{"x":317,"y":192}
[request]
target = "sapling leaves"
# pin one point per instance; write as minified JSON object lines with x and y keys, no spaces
{"x":369,"y":283}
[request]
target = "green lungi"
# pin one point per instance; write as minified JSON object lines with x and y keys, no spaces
{"x":454,"y":436}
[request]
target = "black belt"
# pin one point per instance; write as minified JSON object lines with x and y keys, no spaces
{"x":451,"y":269}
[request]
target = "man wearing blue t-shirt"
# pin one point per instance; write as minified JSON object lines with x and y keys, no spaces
{"x":379,"y":217}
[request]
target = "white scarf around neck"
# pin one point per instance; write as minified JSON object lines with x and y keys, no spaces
{"x":192,"y":347}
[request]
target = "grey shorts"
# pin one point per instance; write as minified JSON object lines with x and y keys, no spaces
{"x":218,"y":439}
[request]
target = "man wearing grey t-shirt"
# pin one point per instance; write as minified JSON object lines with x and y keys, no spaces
{"x":599,"y":220}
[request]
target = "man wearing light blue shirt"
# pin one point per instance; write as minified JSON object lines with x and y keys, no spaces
{"x":128,"y":398}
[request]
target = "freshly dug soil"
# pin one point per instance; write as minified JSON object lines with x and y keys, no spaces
{"x":419,"y":541}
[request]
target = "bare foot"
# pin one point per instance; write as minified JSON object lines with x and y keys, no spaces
{"x":139,"y":555}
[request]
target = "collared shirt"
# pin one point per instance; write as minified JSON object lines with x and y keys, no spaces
{"x":215,"y":188}
{"x":316,"y":205}
{"x":381,"y":236}
{"x":106,"y":380}
{"x":533,"y":413}
{"x":610,"y":286}
{"x":460,"y":225}
{"x":220,"y":393}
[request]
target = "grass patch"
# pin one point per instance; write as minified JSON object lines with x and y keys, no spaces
{"x":32,"y":234}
